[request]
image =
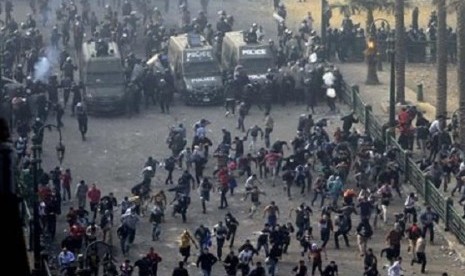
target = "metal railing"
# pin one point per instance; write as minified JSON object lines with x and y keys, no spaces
{"x":441,"y":203}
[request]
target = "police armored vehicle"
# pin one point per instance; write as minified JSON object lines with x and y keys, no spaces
{"x":102,"y":74}
{"x":254,"y":56}
{"x":195,"y":70}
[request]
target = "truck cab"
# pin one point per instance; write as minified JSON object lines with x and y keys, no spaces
{"x":255,"y":57}
{"x":195,"y":70}
{"x":102,"y":73}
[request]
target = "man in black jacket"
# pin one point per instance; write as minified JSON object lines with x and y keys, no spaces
{"x":230,"y":264}
{"x":259,"y":270}
{"x":180,"y":270}
{"x":206,"y":261}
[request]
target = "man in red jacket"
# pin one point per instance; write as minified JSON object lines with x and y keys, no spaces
{"x":94,"y":195}
{"x":223,"y":177}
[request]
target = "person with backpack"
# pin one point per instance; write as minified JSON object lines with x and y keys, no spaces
{"x":170,"y":164}
{"x":385,"y":192}
{"x":203,"y":236}
{"x":205,"y":187}
{"x":232,"y":224}
{"x":342,"y":222}
{"x":413,"y":233}
{"x":123,"y":234}
{"x":182,"y":203}
{"x":364,"y":233}
{"x":156,"y":217}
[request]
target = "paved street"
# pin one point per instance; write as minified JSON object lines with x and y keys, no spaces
{"x":116,"y":149}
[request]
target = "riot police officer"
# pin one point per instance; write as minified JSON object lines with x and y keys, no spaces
{"x":77,"y":96}
{"x":165,"y":96}
{"x":68,"y":69}
{"x":53,"y":90}
{"x":82,"y":119}
{"x":251,"y":35}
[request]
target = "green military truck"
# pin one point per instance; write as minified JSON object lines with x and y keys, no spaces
{"x":195,"y":70}
{"x":255,"y":58}
{"x":102,"y":73}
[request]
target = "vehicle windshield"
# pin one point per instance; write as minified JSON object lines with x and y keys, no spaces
{"x":200,"y":68}
{"x":256,"y":64}
{"x":107,"y":79}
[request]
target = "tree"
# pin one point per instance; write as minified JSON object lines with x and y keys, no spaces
{"x":459,"y":6}
{"x":400,"y":51}
{"x":350,"y":7}
{"x":441,"y":59}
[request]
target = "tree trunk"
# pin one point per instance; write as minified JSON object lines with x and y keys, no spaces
{"x":461,"y":69}
{"x":369,"y":22}
{"x":400,"y":52}
{"x":441,"y":54}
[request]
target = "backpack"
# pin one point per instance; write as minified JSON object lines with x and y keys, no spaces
{"x":104,"y":221}
{"x":169,"y":163}
{"x":414,"y":233}
{"x":122,"y":231}
{"x":366,"y":231}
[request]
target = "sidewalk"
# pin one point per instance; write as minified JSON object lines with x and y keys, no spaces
{"x":378,"y":97}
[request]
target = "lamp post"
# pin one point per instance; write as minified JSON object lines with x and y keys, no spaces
{"x":372,"y":54}
{"x":36,"y":160}
{"x":371,"y":59}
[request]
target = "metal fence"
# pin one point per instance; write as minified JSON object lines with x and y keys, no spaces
{"x":442,"y":204}
{"x":27,"y":218}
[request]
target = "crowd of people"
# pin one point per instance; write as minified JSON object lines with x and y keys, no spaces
{"x":349,"y":173}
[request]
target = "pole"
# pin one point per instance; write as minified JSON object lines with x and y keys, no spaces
{"x":392,"y":92}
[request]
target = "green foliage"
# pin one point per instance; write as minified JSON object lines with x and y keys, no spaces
{"x":25,"y":185}
{"x":350,"y":7}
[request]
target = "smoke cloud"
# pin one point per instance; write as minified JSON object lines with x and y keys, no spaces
{"x":42,"y":69}
{"x":47,"y":63}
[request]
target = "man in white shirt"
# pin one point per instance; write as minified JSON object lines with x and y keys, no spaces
{"x":250,"y":183}
{"x":409,"y":207}
{"x":396,"y":269}
{"x":436,"y":125}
